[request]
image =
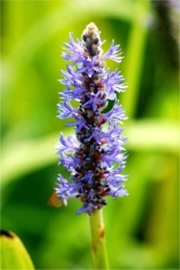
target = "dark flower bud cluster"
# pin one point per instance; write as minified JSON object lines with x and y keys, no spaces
{"x":95,"y":155}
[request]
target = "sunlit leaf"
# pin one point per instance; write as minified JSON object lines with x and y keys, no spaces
{"x":13,"y":253}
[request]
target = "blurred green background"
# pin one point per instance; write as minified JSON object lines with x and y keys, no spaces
{"x":141,"y":229}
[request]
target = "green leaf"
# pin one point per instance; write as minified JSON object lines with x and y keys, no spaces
{"x":28,"y":156}
{"x":13,"y":253}
{"x":135,"y":54}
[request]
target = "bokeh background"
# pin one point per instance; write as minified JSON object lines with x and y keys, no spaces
{"x":141,"y":229}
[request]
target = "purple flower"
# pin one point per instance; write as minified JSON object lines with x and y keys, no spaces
{"x":95,"y":155}
{"x":113,"y":53}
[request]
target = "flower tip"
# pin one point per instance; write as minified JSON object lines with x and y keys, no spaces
{"x":91,"y":29}
{"x":92,"y":26}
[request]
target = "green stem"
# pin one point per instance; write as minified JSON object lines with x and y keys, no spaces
{"x":97,"y":235}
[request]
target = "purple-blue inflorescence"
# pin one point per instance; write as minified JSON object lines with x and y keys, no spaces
{"x":95,"y":156}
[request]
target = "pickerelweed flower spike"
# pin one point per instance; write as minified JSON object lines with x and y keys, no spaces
{"x":95,"y":156}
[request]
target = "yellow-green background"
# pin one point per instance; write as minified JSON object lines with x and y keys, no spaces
{"x":141,"y":229}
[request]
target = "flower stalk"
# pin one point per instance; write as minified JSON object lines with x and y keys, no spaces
{"x":97,"y":238}
{"x":95,"y":155}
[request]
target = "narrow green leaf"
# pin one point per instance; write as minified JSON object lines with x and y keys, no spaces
{"x":134,"y":57}
{"x":29,"y":156}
